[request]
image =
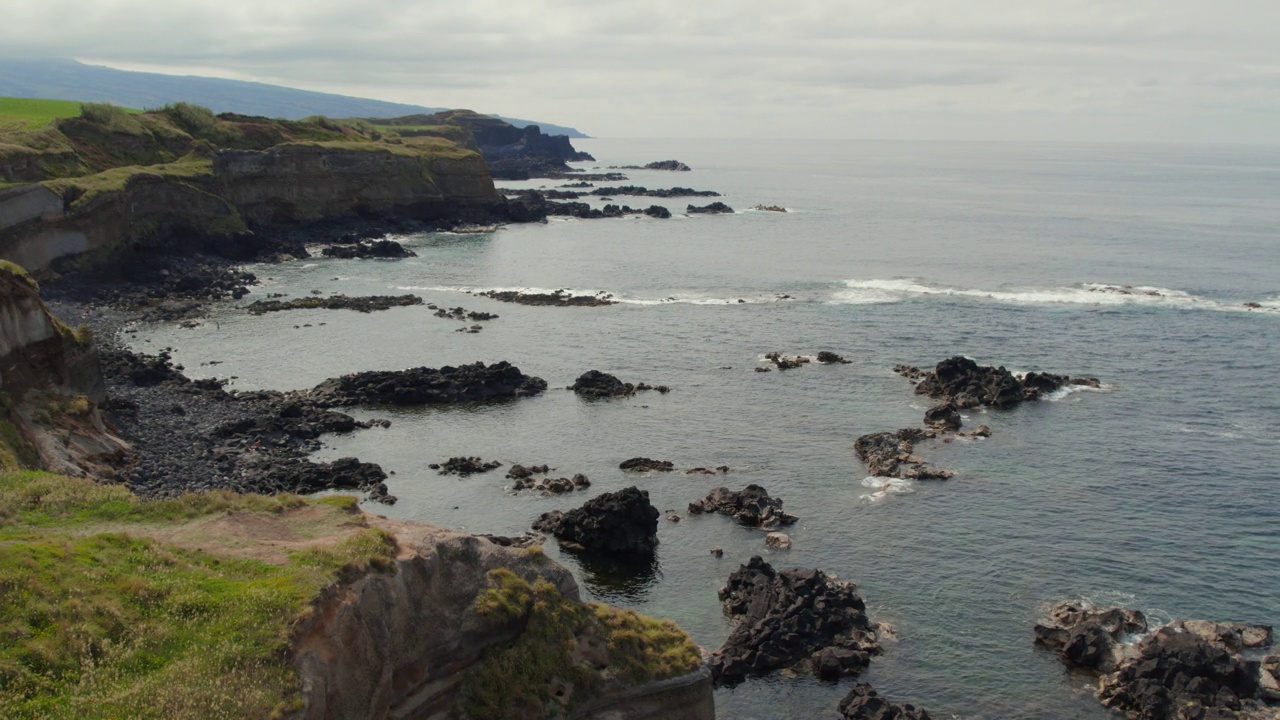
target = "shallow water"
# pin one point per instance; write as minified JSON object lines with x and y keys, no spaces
{"x":1158,"y":491}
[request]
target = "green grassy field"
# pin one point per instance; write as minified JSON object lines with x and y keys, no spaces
{"x":32,"y":113}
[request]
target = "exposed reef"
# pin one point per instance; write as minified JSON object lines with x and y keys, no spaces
{"x":751,"y":506}
{"x":966,"y":384}
{"x":365,"y":304}
{"x":559,"y":298}
{"x":622,"y":522}
{"x":476,"y":382}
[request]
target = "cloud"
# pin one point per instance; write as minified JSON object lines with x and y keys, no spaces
{"x":668,"y":67}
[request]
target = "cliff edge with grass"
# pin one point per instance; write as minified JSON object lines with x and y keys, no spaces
{"x":218,"y":605}
{"x":81,"y":190}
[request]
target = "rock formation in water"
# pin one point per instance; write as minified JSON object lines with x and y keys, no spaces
{"x":862,"y":703}
{"x":965,"y":384}
{"x":1186,"y":669}
{"x":750,"y":506}
{"x":623,"y":522}
{"x":476,"y":382}
{"x":802,"y":619}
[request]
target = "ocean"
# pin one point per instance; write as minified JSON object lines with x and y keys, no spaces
{"x":1129,"y":263}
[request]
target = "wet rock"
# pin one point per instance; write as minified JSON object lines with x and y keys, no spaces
{"x":750,"y":506}
{"x":830,"y":358}
{"x":594,"y":383}
{"x":780,"y":541}
{"x":784,"y":362}
{"x":982,"y":431}
{"x":559,"y":298}
{"x":770,"y":208}
{"x":465,"y":466}
{"x":364,"y":304}
{"x":366,"y":250}
{"x":1088,"y":637}
{"x":966,"y":384}
{"x":424,"y":386}
{"x":885,"y":452}
{"x":715,"y":208}
{"x":801,"y":619}
{"x":717,"y":552}
{"x":945,"y":416}
{"x":672,"y":165}
{"x":862,"y":703}
{"x":520,"y":472}
{"x":637,"y":191}
{"x":620,"y":522}
{"x":657,"y":211}
{"x":643,"y":464}
{"x":525,"y":540}
{"x":924,"y":471}
{"x":461,"y":313}
{"x":707,"y":471}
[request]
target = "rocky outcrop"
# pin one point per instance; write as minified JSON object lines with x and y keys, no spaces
{"x":945,"y":416}
{"x":862,"y":703}
{"x":366,"y":250}
{"x":964,"y":383}
{"x":672,"y":165}
{"x":596,"y":384}
{"x":419,"y":640}
{"x":428,"y":386}
{"x":750,"y":506}
{"x":802,"y":619}
{"x":1186,"y":669}
{"x":365,"y":304}
{"x":715,"y":208}
{"x":644,"y":464}
{"x":465,"y":466}
{"x":559,"y":298}
{"x":890,"y":454}
{"x":622,"y":522}
{"x":639,"y":191}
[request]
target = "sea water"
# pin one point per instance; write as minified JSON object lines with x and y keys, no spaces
{"x":1131,"y":264}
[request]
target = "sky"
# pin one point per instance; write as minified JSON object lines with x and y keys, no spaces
{"x":1068,"y":70}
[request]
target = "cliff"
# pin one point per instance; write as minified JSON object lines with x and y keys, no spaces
{"x":238,"y":606}
{"x":51,"y":386}
{"x":86,"y":190}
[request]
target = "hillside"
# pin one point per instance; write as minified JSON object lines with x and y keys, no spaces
{"x":70,"y":80}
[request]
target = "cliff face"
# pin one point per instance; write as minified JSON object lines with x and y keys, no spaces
{"x":309,"y":182}
{"x":403,"y":644}
{"x":52,"y":386}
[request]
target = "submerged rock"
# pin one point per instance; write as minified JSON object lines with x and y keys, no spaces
{"x":800,"y":619}
{"x":750,"y":506}
{"x":425,"y":386}
{"x":862,"y":703}
{"x":620,"y":522}
{"x":465,"y":466}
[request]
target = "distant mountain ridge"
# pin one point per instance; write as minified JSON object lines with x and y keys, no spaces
{"x":62,"y":79}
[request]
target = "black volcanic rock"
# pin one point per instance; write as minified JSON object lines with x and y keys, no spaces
{"x":465,"y":466}
{"x":715,"y":208}
{"x":639,"y":191}
{"x":800,"y":619}
{"x":621,"y":522}
{"x":750,"y":506}
{"x":427,"y":386}
{"x":657,"y":211}
{"x":594,"y":383}
{"x":643,"y":464}
{"x":559,"y":298}
{"x":862,"y":703}
{"x":966,"y":384}
{"x":365,"y":304}
{"x":365,"y":250}
{"x":673,"y":165}
{"x":945,"y":416}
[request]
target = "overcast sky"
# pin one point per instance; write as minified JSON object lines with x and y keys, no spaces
{"x":1165,"y":70}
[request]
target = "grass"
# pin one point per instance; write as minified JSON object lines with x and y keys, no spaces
{"x":567,"y":650}
{"x":88,"y":187}
{"x":33,"y":113}
{"x":110,"y":625}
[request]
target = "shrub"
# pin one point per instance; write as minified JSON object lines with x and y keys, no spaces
{"x":194,"y":119}
{"x":111,"y":117}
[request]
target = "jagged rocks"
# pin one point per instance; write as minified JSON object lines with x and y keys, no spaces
{"x":966,"y":384}
{"x":784,"y":362}
{"x":425,"y":386}
{"x":365,"y":304}
{"x":643,"y":464}
{"x":862,"y":703}
{"x":945,"y":416}
{"x":620,"y":522}
{"x":1186,"y":669}
{"x":770,"y":208}
{"x":594,"y":383}
{"x":778,"y":541}
{"x":461,"y":313}
{"x":657,"y":211}
{"x":559,"y":298}
{"x":637,"y":191}
{"x":829,"y":358}
{"x":672,"y":165}
{"x":750,"y":506}
{"x":1088,"y":637}
{"x":553,"y":486}
{"x":465,"y":466}
{"x":366,"y":250}
{"x":888,"y":454}
{"x":798,"y":618}
{"x":715,"y":208}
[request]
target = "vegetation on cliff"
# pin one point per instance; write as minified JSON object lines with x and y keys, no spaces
{"x":115,"y":607}
{"x":568,"y":653}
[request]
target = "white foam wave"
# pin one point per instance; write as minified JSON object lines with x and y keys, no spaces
{"x":682,"y":298}
{"x":869,"y":292}
{"x":884,"y":487}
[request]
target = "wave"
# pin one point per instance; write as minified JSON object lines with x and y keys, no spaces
{"x":884,"y":487}
{"x":874,"y":292}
